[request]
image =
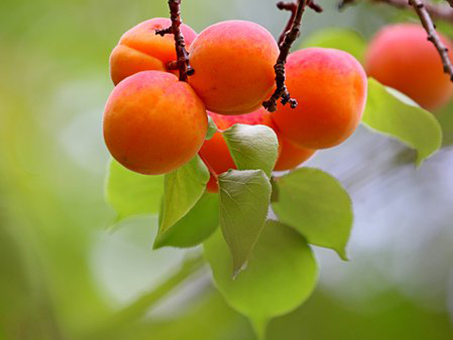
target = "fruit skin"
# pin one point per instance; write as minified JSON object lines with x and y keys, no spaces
{"x":331,"y":88}
{"x":140,"y":49}
{"x":153,"y":123}
{"x":400,"y":56}
{"x":233,"y":63}
{"x":291,"y":155}
{"x":215,"y":151}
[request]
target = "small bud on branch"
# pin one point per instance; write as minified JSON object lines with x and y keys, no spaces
{"x":182,"y":63}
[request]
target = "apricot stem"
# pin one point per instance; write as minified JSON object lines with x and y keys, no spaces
{"x":430,"y":28}
{"x":281,"y":93}
{"x":182,"y":62}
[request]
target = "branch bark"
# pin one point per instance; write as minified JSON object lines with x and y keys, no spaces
{"x":430,"y":28}
{"x":438,"y":11}
{"x":292,"y":32}
{"x":182,"y":63}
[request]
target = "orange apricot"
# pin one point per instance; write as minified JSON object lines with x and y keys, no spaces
{"x":215,"y":151}
{"x":140,"y":49}
{"x":233,"y":63}
{"x":331,"y":88}
{"x":153,"y":123}
{"x":400,"y":56}
{"x":291,"y":156}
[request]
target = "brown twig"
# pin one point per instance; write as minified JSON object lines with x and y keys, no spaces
{"x":292,"y":32}
{"x":182,"y":63}
{"x":450,"y":2}
{"x":430,"y":28}
{"x":438,"y":11}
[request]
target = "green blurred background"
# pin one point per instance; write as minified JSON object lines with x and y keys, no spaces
{"x":64,"y":274}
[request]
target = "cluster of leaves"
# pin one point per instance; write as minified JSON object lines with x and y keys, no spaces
{"x":264,"y":267}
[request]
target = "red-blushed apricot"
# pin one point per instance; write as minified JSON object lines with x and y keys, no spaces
{"x":331,"y":88}
{"x":233,"y":63}
{"x":140,"y":49}
{"x":153,"y":123}
{"x":400,"y":56}
{"x":291,"y":155}
{"x":215,"y":151}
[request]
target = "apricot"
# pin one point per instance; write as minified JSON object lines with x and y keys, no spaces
{"x":153,"y":123}
{"x":140,"y":49}
{"x":331,"y":88}
{"x":216,"y":153}
{"x":233,"y":63}
{"x":400,"y":56}
{"x":291,"y":155}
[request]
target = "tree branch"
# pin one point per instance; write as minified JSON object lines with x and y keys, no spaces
{"x":430,"y":28}
{"x":182,"y":63}
{"x":437,"y":11}
{"x":292,"y":32}
{"x":450,"y":2}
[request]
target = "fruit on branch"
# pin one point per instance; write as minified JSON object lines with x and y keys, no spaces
{"x":215,"y":151}
{"x":233,"y":63}
{"x":153,"y":123}
{"x":331,"y":88}
{"x":291,"y":155}
{"x":140,"y":49}
{"x":400,"y":56}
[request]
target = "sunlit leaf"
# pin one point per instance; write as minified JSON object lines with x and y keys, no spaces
{"x":183,"y":189}
{"x":130,"y":193}
{"x":280,"y":275}
{"x":315,"y":204}
{"x":244,"y":204}
{"x":394,"y":114}
{"x":199,"y":223}
{"x":252,"y":147}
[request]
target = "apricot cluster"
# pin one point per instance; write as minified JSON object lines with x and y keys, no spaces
{"x":155,"y":123}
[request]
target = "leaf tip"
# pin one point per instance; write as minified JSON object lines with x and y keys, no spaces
{"x":343,"y":254}
{"x":238,"y":268}
{"x":259,"y":326}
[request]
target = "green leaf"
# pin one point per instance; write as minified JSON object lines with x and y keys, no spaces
{"x":130,"y":193}
{"x":446,"y":121}
{"x":339,"y":38}
{"x":280,"y":275}
{"x":199,"y":223}
{"x":183,"y":189}
{"x":315,"y":204}
{"x":212,"y":128}
{"x":244,"y":204}
{"x":394,"y":114}
{"x":252,"y":147}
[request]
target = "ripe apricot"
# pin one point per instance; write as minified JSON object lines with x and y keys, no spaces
{"x":291,"y":155}
{"x":215,"y":151}
{"x":153,"y":123}
{"x":233,"y":63}
{"x":400,"y":56}
{"x":140,"y":49}
{"x":331,"y":88}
